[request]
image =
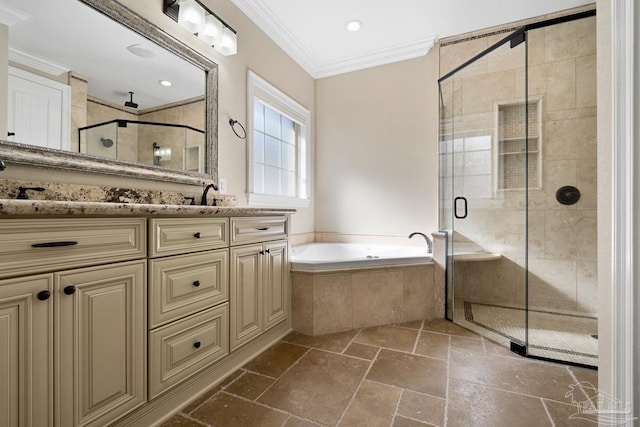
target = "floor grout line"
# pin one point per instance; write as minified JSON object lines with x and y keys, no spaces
{"x":544,"y":405}
{"x":353,"y":396}
{"x":446,"y":390}
{"x":282,"y":374}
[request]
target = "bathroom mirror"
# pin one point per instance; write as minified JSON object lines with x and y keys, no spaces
{"x":161,"y":133}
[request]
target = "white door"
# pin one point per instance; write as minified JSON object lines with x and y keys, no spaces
{"x":38,"y":110}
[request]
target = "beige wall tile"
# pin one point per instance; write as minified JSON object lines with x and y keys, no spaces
{"x":418,"y":299}
{"x":570,"y":39}
{"x":332,"y":304}
{"x":302,"y":304}
{"x":570,"y":235}
{"x":587,"y":286}
{"x":377,"y":298}
{"x":556,"y":81}
{"x":453,"y":55}
{"x":552,"y":283}
{"x":587,"y":184}
{"x":571,"y":139}
{"x":481,"y":91}
{"x":487,"y":281}
{"x":586,"y":82}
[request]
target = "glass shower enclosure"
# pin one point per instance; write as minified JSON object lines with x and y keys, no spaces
{"x":517,"y":190}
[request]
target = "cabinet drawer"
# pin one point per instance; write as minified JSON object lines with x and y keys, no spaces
{"x":182,"y":348}
{"x":37,"y":245}
{"x":173,"y":236}
{"x":252,"y":230}
{"x":182,"y":285}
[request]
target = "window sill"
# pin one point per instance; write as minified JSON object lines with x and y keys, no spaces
{"x":263,"y":200}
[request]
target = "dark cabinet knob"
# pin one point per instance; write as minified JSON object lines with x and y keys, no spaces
{"x":196,"y":344}
{"x":261,"y":252}
{"x":196,"y":283}
{"x":196,"y":235}
{"x":69,"y":290}
{"x":44,"y":295}
{"x":268,"y":251}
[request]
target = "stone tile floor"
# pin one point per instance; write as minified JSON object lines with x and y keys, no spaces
{"x":431,"y":373}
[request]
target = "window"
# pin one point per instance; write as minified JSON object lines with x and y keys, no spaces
{"x":278,"y":147}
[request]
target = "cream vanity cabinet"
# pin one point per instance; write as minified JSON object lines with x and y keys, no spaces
{"x":259,"y":279}
{"x":72,"y":320}
{"x":188,"y":298}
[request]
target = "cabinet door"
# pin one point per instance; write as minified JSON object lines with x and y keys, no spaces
{"x":100,"y":349}
{"x":276,"y":284}
{"x":245,"y":294}
{"x":26,"y":348}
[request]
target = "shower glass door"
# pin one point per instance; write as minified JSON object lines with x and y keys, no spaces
{"x":483,"y":191}
{"x":518,"y":187}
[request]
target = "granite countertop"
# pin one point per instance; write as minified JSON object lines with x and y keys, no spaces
{"x":12,"y":207}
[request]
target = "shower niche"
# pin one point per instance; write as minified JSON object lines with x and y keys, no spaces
{"x":518,"y":122}
{"x":171,"y":146}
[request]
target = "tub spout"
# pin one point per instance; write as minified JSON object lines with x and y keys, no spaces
{"x":426,"y":238}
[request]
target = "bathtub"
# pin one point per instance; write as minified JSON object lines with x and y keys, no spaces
{"x":326,"y":256}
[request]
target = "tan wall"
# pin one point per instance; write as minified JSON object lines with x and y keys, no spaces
{"x":256,"y":52}
{"x":376,"y":149}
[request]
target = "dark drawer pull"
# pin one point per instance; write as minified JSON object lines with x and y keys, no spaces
{"x":196,"y":283}
{"x":262,"y":228}
{"x":196,"y":235}
{"x":44,"y":295}
{"x":54,"y":244}
{"x":196,"y":344}
{"x":69,"y":290}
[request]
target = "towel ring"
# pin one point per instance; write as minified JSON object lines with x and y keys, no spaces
{"x":232,"y":123}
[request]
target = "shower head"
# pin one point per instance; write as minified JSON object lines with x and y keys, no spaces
{"x":130,"y":102}
{"x":106,"y":142}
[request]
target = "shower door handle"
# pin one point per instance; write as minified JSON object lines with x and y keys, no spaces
{"x":455,"y":208}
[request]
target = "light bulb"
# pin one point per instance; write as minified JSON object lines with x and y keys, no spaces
{"x":211,"y":34}
{"x":191,"y":16}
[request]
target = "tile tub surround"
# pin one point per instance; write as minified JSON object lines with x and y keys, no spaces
{"x":341,"y":300}
{"x":423,"y":373}
{"x":93,"y":193}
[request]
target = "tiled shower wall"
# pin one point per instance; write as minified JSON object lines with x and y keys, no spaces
{"x":562,"y":242}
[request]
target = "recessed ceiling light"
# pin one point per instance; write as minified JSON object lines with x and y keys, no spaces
{"x":141,"y":51}
{"x":354,"y":25}
{"x":165,"y":83}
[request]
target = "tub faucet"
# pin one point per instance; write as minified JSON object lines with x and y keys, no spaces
{"x":203,"y":201}
{"x":2,"y":165}
{"x":426,"y":238}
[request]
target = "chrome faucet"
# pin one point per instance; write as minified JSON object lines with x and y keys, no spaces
{"x":203,"y":201}
{"x":2,"y":165}
{"x":426,"y":238}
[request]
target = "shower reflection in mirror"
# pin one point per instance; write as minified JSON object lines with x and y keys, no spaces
{"x":167,"y":145}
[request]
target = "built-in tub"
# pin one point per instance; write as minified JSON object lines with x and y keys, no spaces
{"x":325,"y":256}
{"x":338,"y":287}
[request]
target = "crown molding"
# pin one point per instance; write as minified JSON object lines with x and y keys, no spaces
{"x":381,"y":56}
{"x":262,"y":16}
{"x":10,"y":15}
{"x":21,"y":57}
{"x":267,"y":21}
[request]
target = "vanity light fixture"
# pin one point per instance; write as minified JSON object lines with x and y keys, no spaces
{"x":196,"y":18}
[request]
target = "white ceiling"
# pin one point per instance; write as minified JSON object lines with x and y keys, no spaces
{"x":68,"y":35}
{"x":313,"y":33}
{"x":72,"y":35}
